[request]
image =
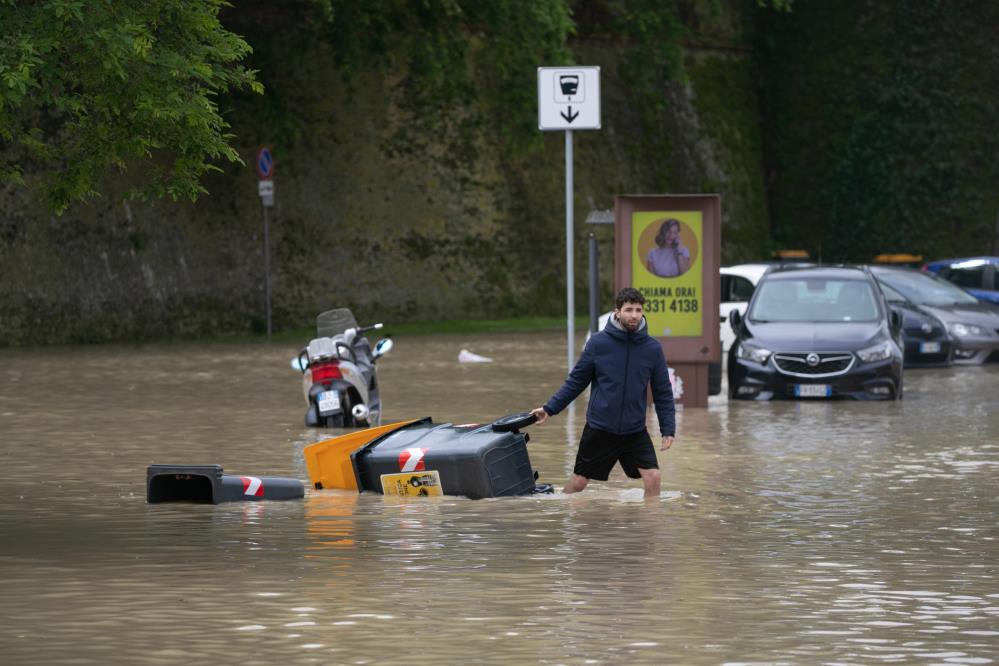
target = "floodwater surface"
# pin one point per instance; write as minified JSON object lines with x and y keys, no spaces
{"x":789,"y":532}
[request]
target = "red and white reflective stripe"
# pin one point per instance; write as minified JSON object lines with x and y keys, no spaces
{"x":252,"y":486}
{"x":411,"y":460}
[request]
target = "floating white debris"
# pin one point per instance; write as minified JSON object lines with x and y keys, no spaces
{"x":465,"y":356}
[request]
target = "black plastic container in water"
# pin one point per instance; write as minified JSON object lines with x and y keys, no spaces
{"x":207,"y":484}
{"x":475,"y":461}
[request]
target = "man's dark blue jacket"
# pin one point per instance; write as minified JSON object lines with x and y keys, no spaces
{"x":620,"y":365}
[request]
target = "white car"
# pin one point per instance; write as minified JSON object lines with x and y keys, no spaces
{"x":737,"y":285}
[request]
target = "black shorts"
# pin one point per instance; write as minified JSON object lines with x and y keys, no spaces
{"x":599,"y":450}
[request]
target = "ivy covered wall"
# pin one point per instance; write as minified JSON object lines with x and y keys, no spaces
{"x":411,"y":180}
{"x":881,"y":125}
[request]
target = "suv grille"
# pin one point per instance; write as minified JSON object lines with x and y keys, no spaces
{"x":829,"y":364}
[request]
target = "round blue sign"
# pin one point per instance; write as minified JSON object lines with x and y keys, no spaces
{"x":265,"y":164}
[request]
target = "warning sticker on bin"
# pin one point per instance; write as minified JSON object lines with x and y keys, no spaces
{"x":411,"y":460}
{"x":422,"y":484}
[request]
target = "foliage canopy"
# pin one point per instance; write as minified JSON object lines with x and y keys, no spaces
{"x":90,"y":84}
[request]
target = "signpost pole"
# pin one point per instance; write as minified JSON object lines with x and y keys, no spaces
{"x":267,"y":270}
{"x":265,"y":188}
{"x":594,"y":283}
{"x":569,"y":287}
{"x":569,"y":99}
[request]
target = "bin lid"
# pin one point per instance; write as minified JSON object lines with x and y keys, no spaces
{"x":513,"y":422}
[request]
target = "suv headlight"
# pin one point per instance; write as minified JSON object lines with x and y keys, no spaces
{"x":876,"y":353}
{"x":964,"y":330}
{"x":752,"y":353}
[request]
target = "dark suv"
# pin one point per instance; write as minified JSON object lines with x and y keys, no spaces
{"x":822,"y":332}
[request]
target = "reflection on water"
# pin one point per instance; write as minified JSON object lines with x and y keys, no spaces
{"x":329,"y":519}
{"x":806,"y":532}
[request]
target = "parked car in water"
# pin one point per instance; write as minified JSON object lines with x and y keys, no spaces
{"x":927,"y":342}
{"x":973,"y":325}
{"x":818,"y":332}
{"x":979,"y":276}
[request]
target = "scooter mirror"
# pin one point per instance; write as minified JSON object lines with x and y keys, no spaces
{"x":382,"y":347}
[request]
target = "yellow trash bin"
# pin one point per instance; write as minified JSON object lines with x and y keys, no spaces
{"x":329,"y":462}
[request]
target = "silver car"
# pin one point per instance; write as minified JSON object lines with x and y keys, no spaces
{"x":972,"y":324}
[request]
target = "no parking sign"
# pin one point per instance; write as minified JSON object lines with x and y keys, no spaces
{"x":265,"y":164}
{"x":265,"y":169}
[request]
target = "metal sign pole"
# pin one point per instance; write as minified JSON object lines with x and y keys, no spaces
{"x":265,"y":188}
{"x":569,"y":99}
{"x":267,"y":269}
{"x":569,"y":290}
{"x":594,"y":283}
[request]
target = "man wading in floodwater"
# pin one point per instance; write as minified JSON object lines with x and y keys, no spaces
{"x":619,"y":363}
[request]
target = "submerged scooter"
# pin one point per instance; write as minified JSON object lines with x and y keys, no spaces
{"x":339,"y":379}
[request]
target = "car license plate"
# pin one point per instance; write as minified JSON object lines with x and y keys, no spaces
{"x":812,"y":390}
{"x":329,"y":401}
{"x":929,"y":347}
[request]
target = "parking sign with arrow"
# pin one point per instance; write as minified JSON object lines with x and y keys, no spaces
{"x":568,"y":98}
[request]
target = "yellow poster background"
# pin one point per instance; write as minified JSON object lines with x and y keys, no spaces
{"x":673,"y":305}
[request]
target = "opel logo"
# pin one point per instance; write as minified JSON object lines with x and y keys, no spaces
{"x":926,"y":328}
{"x":812,"y":359}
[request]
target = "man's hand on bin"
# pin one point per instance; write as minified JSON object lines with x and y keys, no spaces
{"x":540,"y":414}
